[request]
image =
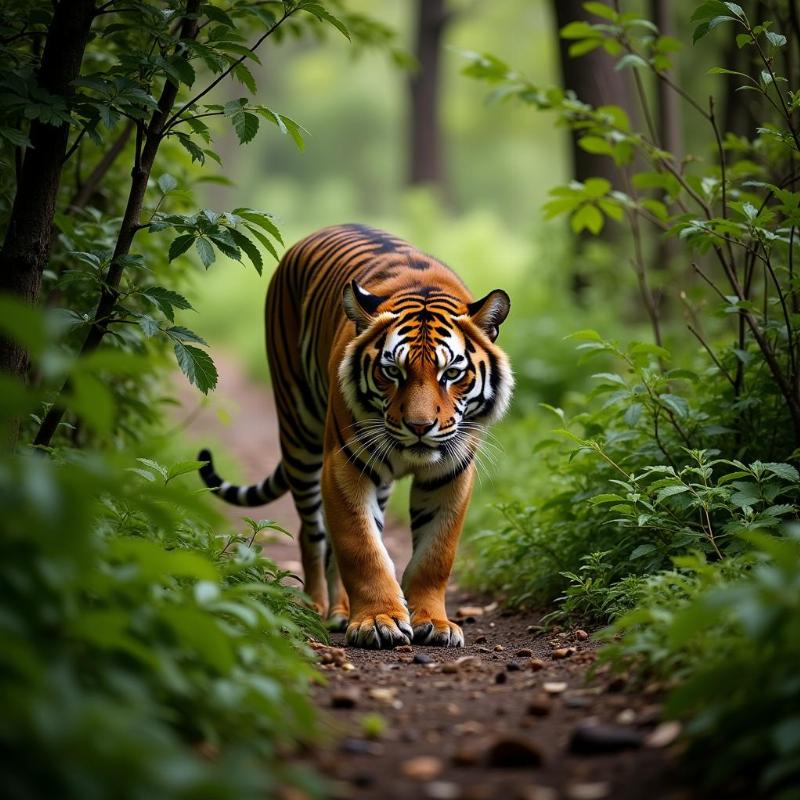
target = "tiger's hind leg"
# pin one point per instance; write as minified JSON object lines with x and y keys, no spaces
{"x":338,"y":602}
{"x":304,"y":485}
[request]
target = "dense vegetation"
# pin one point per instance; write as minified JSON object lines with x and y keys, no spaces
{"x":141,"y":637}
{"x":674,"y":513}
{"x":146,"y":652}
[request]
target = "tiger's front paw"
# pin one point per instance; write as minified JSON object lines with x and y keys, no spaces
{"x":437,"y":632}
{"x":379,"y":630}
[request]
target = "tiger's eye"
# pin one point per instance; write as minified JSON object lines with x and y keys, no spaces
{"x":453,"y":374}
{"x":391,"y":371}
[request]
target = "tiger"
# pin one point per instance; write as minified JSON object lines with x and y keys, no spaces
{"x":383,"y":365}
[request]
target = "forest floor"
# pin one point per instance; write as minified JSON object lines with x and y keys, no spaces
{"x":515,"y":715}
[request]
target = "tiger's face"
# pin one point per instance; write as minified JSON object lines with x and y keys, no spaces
{"x":423,"y":376}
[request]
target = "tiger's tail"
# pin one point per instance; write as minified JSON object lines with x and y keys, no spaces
{"x":257,"y":494}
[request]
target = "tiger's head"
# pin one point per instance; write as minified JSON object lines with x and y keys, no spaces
{"x":423,"y":376}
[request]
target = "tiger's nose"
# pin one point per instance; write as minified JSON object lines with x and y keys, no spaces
{"x":419,"y":427}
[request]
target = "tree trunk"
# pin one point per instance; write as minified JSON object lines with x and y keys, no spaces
{"x":29,"y":235}
{"x":670,"y":129}
{"x":148,"y":142}
{"x":595,"y":81}
{"x":425,"y":157}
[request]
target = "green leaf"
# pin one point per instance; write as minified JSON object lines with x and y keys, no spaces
{"x":167,"y":183}
{"x":785,"y":471}
{"x":601,"y":10}
{"x":670,"y":491}
{"x":245,"y":77}
{"x":183,"y":468}
{"x":775,"y":39}
{"x":587,"y":217}
{"x":262,"y":220}
{"x":249,"y":248}
{"x":154,"y":465}
{"x":166,"y":300}
{"x":180,"y":245}
{"x":597,"y":187}
{"x":631,"y":60}
{"x":185,"y":334}
{"x":676,"y":404}
{"x":594,"y":144}
{"x":324,"y":15}
{"x":246,"y":126}
{"x":197,"y":365}
{"x":206,"y":252}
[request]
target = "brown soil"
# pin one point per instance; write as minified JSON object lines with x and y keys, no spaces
{"x":446,"y":729}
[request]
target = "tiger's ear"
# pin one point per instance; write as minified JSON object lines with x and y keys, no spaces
{"x":360,"y":305}
{"x":489,"y":312}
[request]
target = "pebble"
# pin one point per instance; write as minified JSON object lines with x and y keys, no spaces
{"x":422,"y":658}
{"x":361,"y":747}
{"x":470,"y":611}
{"x":386,"y":696}
{"x":422,"y":768}
{"x":577,"y":701}
{"x":509,"y":751}
{"x":524,"y":653}
{"x":450,"y":667}
{"x":664,"y":734}
{"x":348,"y":667}
{"x":484,"y":650}
{"x":537,"y":664}
{"x":471,"y":726}
{"x":404,"y":648}
{"x":467,"y":662}
{"x":442,"y":790}
{"x":466,"y":757}
{"x":581,"y":635}
{"x":345,"y":698}
{"x":501,"y":677}
{"x":563,"y":652}
{"x":540,"y":706}
{"x":588,"y":739}
{"x":513,"y":666}
{"x":588,"y":791}
{"x":626,"y":717}
{"x":498,"y":648}
{"x":480,"y":639}
{"x":556,"y":687}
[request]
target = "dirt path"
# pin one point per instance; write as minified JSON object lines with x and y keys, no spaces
{"x":512,"y":715}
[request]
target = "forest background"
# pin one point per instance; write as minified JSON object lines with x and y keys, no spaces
{"x":655,"y":330}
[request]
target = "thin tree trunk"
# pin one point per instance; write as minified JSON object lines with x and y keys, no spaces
{"x":29,"y":235}
{"x":83,"y":194}
{"x":425,"y":157}
{"x":147,"y":146}
{"x":669,"y":124}
{"x":595,"y":81}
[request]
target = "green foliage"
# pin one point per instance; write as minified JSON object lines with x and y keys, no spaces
{"x":674,"y":513}
{"x":732,"y":634}
{"x":135,"y":639}
{"x":144,"y":653}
